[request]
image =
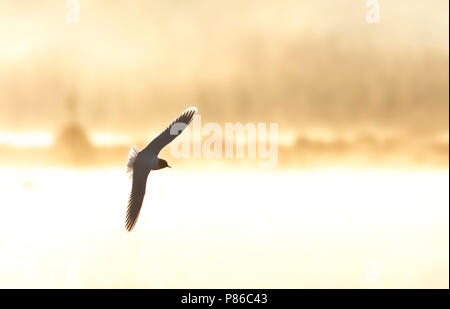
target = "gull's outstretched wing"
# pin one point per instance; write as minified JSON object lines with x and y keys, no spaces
{"x":136,"y":197}
{"x":172,"y":131}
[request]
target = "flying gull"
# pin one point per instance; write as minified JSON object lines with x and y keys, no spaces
{"x":140,"y":163}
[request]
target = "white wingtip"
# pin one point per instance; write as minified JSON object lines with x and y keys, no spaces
{"x":191,"y":108}
{"x":132,"y":155}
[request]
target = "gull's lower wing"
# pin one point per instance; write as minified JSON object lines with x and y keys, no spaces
{"x":172,"y":131}
{"x":136,"y":197}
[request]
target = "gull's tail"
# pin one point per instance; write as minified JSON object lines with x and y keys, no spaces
{"x":132,"y":155}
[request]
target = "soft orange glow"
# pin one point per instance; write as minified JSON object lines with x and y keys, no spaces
{"x":26,"y":139}
{"x":359,"y":197}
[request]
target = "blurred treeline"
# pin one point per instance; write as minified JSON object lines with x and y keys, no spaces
{"x":317,"y":68}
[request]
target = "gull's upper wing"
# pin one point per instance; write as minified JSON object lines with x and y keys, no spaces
{"x":171,"y":132}
{"x":136,"y":197}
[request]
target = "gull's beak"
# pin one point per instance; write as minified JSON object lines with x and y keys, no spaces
{"x":169,"y":166}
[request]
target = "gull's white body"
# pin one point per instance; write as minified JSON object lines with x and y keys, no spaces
{"x":142,"y":160}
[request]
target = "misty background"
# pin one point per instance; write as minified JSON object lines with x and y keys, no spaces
{"x":335,"y":84}
{"x":360,"y":197}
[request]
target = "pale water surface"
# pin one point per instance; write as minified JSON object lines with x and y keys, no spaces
{"x":336,"y":228}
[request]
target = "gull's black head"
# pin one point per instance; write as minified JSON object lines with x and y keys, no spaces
{"x":162,"y":164}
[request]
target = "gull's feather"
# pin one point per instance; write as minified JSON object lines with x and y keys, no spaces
{"x":171,"y":132}
{"x":136,"y":197}
{"x":132,"y":155}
